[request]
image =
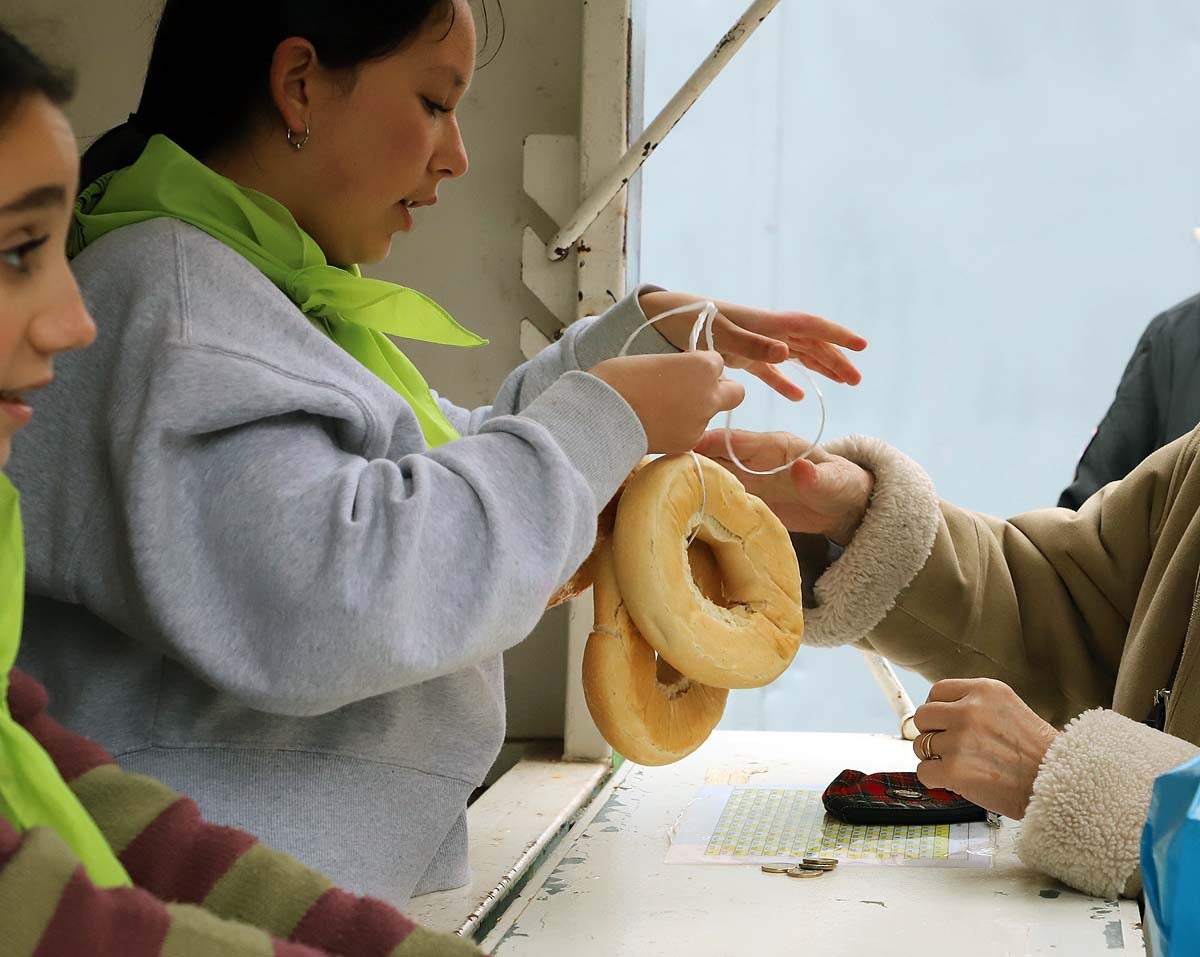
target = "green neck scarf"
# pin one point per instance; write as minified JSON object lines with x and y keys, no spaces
{"x":166,"y":181}
{"x":32,"y":792}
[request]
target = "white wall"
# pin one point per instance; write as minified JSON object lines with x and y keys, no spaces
{"x":998,"y":195}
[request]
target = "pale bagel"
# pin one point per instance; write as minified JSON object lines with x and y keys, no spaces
{"x":645,"y":709}
{"x":751,"y":635}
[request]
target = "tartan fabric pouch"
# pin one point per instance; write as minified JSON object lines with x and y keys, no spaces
{"x":895,"y":797}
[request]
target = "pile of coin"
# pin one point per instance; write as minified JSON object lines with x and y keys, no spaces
{"x":809,"y":867}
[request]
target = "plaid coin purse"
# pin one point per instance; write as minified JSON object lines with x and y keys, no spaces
{"x":895,"y":797}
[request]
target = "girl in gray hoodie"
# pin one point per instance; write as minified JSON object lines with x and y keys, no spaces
{"x":289,"y":568}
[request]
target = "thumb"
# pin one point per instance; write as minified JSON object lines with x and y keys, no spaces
{"x":711,"y":362}
{"x":712,"y":444}
{"x":745,"y":444}
{"x":804,"y":475}
{"x":729,"y":394}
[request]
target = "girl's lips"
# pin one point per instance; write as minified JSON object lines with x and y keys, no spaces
{"x":17,"y":410}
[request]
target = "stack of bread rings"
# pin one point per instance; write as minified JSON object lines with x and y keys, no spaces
{"x":696,"y":591}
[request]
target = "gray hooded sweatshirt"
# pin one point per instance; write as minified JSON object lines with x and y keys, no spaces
{"x":249,"y":577}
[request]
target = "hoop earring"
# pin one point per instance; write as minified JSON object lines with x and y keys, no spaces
{"x":297,"y":144}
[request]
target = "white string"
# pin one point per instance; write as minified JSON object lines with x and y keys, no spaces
{"x":704,"y":324}
{"x":786,"y":465}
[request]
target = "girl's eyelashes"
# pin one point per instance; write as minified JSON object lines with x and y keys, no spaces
{"x":17,"y":257}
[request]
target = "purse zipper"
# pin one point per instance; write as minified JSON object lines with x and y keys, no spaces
{"x":1158,"y":709}
{"x":1161,"y":699}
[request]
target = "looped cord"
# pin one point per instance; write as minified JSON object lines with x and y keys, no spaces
{"x":706,"y":317}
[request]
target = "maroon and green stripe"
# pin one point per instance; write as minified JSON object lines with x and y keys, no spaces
{"x":229,"y":894}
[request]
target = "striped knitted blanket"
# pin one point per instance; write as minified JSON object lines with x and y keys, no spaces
{"x":199,"y":889}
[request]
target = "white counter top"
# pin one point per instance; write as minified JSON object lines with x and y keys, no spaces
{"x":607,"y":891}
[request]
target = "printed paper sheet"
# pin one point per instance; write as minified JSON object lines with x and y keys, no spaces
{"x":763,"y":824}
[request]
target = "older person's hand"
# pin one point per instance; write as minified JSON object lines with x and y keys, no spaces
{"x":823,"y":495}
{"x":982,"y":741}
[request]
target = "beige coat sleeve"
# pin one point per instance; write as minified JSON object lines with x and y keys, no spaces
{"x":1041,"y":602}
{"x":1090,"y":800}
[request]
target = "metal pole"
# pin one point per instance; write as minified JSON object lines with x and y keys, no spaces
{"x":648,"y":142}
{"x":897,"y":697}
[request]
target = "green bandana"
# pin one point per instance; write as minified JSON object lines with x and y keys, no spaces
{"x":355,"y":311}
{"x":32,"y":792}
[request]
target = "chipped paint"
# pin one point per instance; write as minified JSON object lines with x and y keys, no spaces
{"x":733,"y":36}
{"x":510,"y":934}
{"x":739,"y":774}
{"x":553,"y":886}
{"x":614,"y":807}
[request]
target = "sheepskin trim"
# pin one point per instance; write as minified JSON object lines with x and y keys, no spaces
{"x":1090,"y":800}
{"x":891,"y":545}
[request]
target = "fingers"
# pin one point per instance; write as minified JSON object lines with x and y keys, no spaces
{"x":729,"y":395}
{"x":777,"y":380}
{"x":712,"y":444}
{"x":934,"y":774}
{"x":939,"y":767}
{"x":804,"y":473}
{"x":951,"y":689}
{"x":758,"y":450}
{"x":828,"y":361}
{"x":802,"y":325}
{"x":745,"y":444}
{"x":818,"y":357}
{"x":733,"y":339}
{"x":825,"y":369}
{"x":761,"y":335}
{"x":935,"y":716}
{"x":791,"y":325}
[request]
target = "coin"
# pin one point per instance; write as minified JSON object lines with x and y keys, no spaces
{"x":821,"y":861}
{"x":816,"y":867}
{"x":804,"y":872}
{"x":777,"y":868}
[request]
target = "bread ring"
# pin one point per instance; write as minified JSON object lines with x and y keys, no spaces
{"x":751,"y":635}
{"x":581,"y":581}
{"x":577,"y":584}
{"x":644,"y":708}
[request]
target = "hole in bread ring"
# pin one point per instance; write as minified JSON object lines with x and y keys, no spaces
{"x":748,"y":638}
{"x":644,"y":707}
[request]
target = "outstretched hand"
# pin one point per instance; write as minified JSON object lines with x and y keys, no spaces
{"x":757,"y":340}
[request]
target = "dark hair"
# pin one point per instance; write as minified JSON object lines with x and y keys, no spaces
{"x":209,"y":69}
{"x":22,"y":74}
